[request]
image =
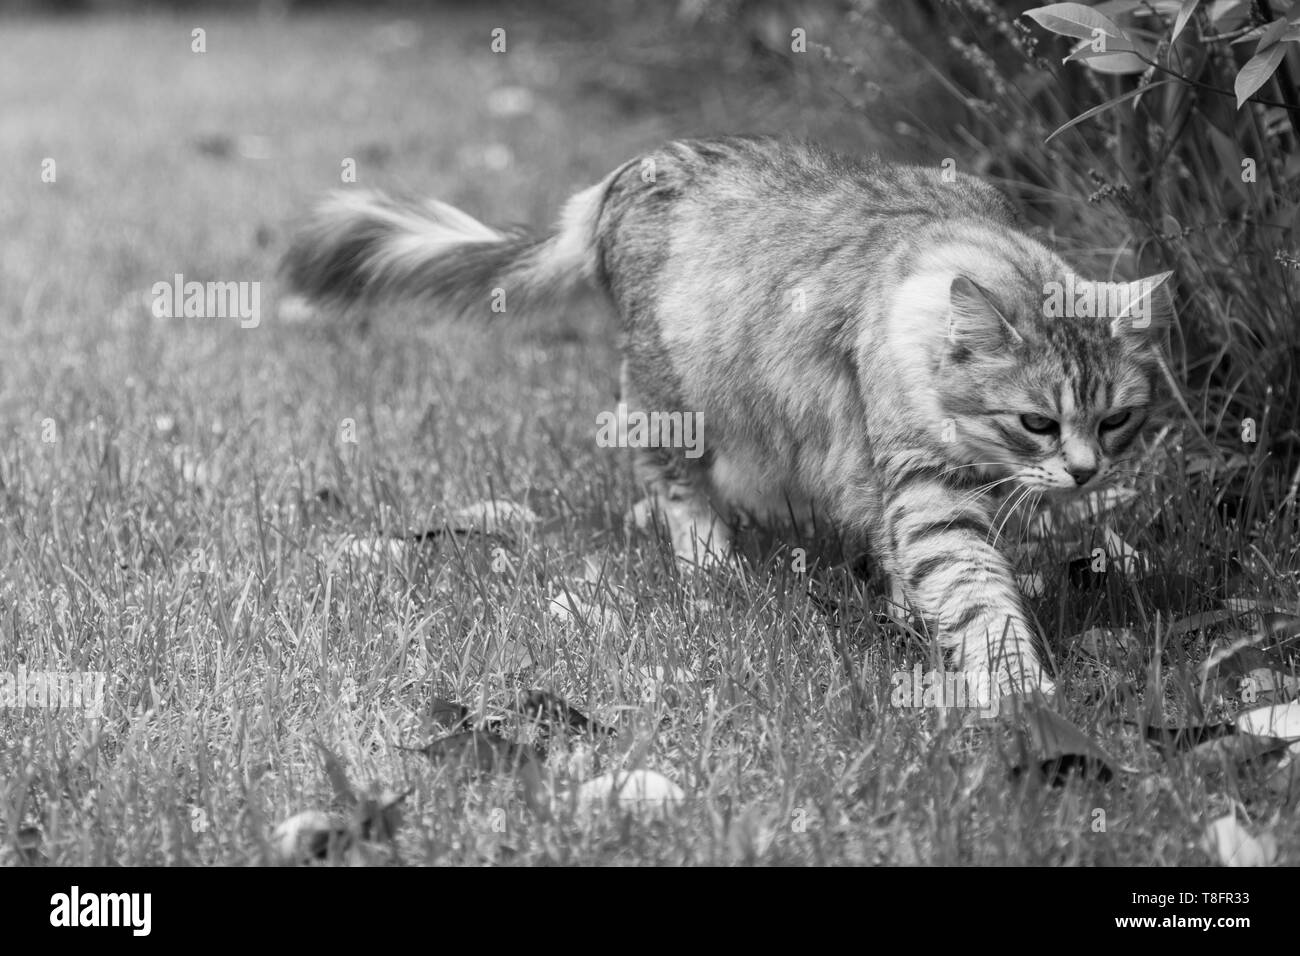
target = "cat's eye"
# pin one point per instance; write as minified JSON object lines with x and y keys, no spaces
{"x":1116,"y":420}
{"x":1039,"y":424}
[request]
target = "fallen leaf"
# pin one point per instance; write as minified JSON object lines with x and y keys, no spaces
{"x":641,"y":793}
{"x":1279,"y":721}
{"x":309,"y":835}
{"x":1232,"y":845}
{"x":1237,"y":752}
{"x":1055,"y":749}
{"x":1255,"y":739}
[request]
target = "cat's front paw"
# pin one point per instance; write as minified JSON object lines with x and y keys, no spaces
{"x":696,"y":551}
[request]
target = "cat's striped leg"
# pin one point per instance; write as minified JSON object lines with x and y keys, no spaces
{"x":940,"y":551}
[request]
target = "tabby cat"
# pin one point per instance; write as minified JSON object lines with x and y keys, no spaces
{"x":882,"y":343}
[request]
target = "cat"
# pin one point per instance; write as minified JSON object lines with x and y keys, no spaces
{"x":883,"y":343}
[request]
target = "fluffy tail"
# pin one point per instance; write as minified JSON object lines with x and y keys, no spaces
{"x":364,"y":245}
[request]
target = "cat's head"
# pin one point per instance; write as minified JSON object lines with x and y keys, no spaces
{"x":1052,"y":383}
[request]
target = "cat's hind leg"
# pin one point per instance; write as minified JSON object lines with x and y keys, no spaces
{"x":677,"y":485}
{"x":699,"y":534}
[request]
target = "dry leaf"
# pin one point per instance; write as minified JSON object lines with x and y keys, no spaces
{"x":1279,"y":721}
{"x":1232,"y":845}
{"x":1054,"y":748}
{"x":642,"y":793}
{"x":309,"y":835}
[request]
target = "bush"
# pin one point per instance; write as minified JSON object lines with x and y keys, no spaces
{"x":1156,"y":134}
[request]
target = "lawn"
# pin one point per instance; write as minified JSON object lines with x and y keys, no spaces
{"x":208,"y":513}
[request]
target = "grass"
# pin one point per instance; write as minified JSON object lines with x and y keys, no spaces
{"x":174,"y":536}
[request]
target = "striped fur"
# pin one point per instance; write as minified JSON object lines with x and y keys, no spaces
{"x":862,"y":339}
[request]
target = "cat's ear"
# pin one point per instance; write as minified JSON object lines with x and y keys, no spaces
{"x":1148,"y":308}
{"x":975,"y":323}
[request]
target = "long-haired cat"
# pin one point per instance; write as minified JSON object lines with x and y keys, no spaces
{"x":881,"y":342}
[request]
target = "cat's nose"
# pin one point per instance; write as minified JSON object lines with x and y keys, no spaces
{"x":1081,"y":474}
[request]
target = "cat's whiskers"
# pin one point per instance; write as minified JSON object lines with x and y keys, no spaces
{"x":981,"y":492}
{"x":995,"y":527}
{"x":973,"y":494}
{"x":1015,"y":502}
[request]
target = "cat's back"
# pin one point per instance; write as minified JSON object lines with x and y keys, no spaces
{"x":723,"y":178}
{"x":765,"y":209}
